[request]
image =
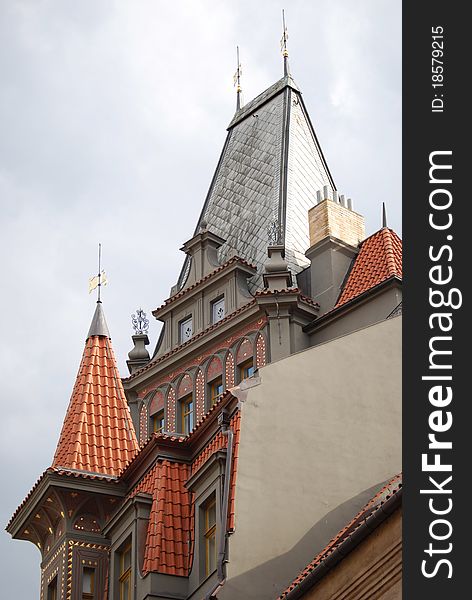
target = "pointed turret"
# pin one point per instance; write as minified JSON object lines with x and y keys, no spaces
{"x":98,"y":434}
{"x":268,"y":174}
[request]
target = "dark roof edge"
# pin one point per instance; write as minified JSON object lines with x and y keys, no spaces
{"x":346,"y":546}
{"x":262,"y":98}
{"x":323,"y":319}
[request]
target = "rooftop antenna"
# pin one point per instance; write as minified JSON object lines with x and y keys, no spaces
{"x":384,"y":215}
{"x":100,"y":279}
{"x":237,"y":81}
{"x":283,"y":46}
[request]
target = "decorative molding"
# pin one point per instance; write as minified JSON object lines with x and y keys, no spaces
{"x":252,"y":327}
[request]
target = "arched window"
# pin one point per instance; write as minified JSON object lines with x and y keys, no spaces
{"x":245,"y":360}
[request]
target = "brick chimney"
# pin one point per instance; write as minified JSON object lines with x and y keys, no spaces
{"x":335,"y":233}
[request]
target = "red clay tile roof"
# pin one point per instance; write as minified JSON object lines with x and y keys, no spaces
{"x":98,"y":434}
{"x":169,"y":539}
{"x":392,"y":488}
{"x":380,"y":258}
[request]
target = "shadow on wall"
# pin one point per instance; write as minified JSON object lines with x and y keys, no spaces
{"x":269,"y":579}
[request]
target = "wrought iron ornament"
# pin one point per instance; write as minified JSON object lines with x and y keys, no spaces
{"x":140,"y":323}
{"x":273,"y":232}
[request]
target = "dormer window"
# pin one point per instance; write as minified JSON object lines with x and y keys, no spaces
{"x":186,"y":330}
{"x":218,"y":310}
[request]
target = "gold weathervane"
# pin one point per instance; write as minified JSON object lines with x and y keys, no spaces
{"x":100,"y":279}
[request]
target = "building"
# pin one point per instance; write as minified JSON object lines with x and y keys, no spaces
{"x":270,"y":410}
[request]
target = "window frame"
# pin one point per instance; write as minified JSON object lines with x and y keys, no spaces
{"x":88,"y":595}
{"x":125,"y":575}
{"x":212,"y":396}
{"x":208,"y":532}
{"x":247,"y":364}
{"x":52,"y":588}
{"x":184,"y":402}
{"x":214,"y":304}
{"x":188,"y":318}
{"x":158,"y":416}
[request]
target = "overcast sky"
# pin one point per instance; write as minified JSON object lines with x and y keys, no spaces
{"x":112,"y":118}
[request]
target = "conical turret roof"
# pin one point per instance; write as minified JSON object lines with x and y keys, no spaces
{"x":98,"y":435}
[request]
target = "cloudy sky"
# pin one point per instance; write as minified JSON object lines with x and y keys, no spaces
{"x":112,"y":118}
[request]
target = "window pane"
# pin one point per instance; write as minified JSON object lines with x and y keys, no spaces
{"x":158,"y":421}
{"x":87,"y":581}
{"x":211,"y":553}
{"x":211,"y":515}
{"x":125,"y":590}
{"x":187,"y":416}
{"x":186,"y":330}
{"x":218,"y":311}
{"x":126,"y":562}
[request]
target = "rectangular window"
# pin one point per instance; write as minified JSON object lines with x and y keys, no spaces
{"x":246,"y":370}
{"x":52,"y":589}
{"x":216,"y":391}
{"x":209,"y":535}
{"x":125,"y":573}
{"x":218,"y":310}
{"x":186,"y":407}
{"x":186,"y":330}
{"x":88,"y":583}
{"x":158,"y":422}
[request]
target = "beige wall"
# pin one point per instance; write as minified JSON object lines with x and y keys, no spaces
{"x":372,"y":570}
{"x":319,"y":434}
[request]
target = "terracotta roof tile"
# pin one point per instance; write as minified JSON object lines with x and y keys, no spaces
{"x":169,"y":540}
{"x":375,"y":504}
{"x":98,"y":434}
{"x":380,"y":258}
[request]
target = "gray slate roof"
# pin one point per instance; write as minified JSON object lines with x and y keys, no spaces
{"x":269,"y":171}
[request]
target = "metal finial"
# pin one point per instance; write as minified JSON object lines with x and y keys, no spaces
{"x":140,"y":323}
{"x":237,"y":80}
{"x":273,"y":231}
{"x":283,"y":45}
{"x":100,"y":279}
{"x":384,"y":215}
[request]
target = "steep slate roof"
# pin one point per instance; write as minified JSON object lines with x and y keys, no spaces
{"x":98,"y":434}
{"x":380,"y":258}
{"x":364,"y":517}
{"x":269,"y":171}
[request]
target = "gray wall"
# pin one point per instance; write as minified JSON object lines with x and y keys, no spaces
{"x":318,"y":436}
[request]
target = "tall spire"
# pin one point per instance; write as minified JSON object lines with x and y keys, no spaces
{"x":384,"y":215}
{"x":283,"y":46}
{"x":237,"y":80}
{"x":98,"y":326}
{"x":98,"y":435}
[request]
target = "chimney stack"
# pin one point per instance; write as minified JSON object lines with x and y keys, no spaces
{"x":335,"y":233}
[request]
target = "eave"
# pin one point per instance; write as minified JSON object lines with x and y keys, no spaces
{"x":340,"y":311}
{"x":60,"y":480}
